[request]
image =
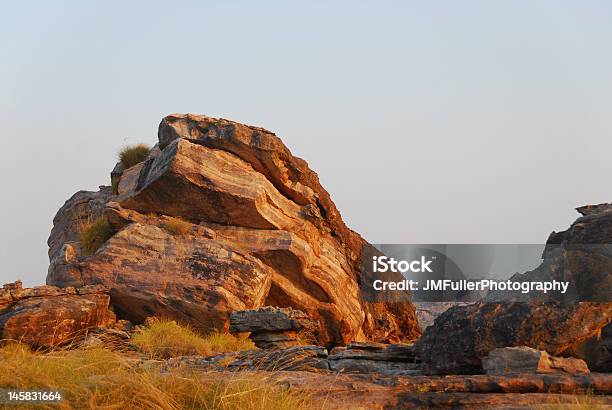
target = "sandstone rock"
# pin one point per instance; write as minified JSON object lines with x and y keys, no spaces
{"x":270,"y":319}
{"x":360,"y":357}
{"x":272,"y":327}
{"x":81,"y":208}
{"x":524,"y":359}
{"x":107,"y":338}
{"x":47,"y":316}
{"x":399,"y":352}
{"x":264,"y":232}
{"x":463,"y":335}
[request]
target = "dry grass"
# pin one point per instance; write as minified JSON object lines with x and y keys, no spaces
{"x":93,"y":234}
{"x":133,"y":155}
{"x":165,"y":338}
{"x":580,"y":402}
{"x":176,"y":226}
{"x":306,"y":338}
{"x":97,"y":378}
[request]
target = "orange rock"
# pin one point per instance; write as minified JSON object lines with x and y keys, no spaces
{"x":261,"y":231}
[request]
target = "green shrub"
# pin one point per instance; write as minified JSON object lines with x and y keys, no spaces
{"x":93,"y":235}
{"x":164,"y":338}
{"x":133,"y":154}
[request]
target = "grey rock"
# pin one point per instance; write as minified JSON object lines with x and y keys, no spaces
{"x":270,"y":319}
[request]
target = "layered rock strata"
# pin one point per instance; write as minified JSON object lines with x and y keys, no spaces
{"x":260,"y":230}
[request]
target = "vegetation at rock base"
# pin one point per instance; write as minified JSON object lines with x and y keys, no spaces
{"x":133,"y":154}
{"x":164,"y":338}
{"x":97,"y":378}
{"x":305,"y":338}
{"x":176,"y":226}
{"x":93,"y":234}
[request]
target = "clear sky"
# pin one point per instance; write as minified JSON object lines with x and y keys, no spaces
{"x":429,"y":122}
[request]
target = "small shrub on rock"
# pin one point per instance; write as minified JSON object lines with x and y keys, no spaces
{"x":92,"y":235}
{"x":176,"y":226}
{"x":133,"y":155}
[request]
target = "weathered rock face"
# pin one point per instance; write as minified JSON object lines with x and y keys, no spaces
{"x":262,"y":232}
{"x":463,"y":335}
{"x":47,"y":316}
{"x":524,"y":359}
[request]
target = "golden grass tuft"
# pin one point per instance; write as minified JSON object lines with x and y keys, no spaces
{"x":97,"y":378}
{"x":93,"y":234}
{"x":306,"y":338}
{"x":133,"y":155}
{"x":165,"y":338}
{"x":176,"y":226}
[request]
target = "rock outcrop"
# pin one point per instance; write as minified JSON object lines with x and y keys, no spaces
{"x":524,"y":359}
{"x":580,"y":255}
{"x":47,"y":316}
{"x":271,"y":327}
{"x":261,"y":231}
{"x":463,"y":335}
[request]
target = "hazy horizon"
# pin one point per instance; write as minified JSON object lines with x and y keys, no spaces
{"x":427,"y":123}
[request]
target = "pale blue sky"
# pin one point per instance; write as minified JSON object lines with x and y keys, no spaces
{"x":429,"y":122}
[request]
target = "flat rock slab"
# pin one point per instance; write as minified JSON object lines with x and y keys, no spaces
{"x":270,"y":319}
{"x":368,"y":391}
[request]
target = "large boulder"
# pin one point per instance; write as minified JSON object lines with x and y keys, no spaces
{"x":463,"y":335}
{"x":582,"y":256}
{"x":47,"y":316}
{"x":257,"y":229}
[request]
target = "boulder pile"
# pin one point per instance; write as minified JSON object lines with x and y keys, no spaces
{"x":463,"y":335}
